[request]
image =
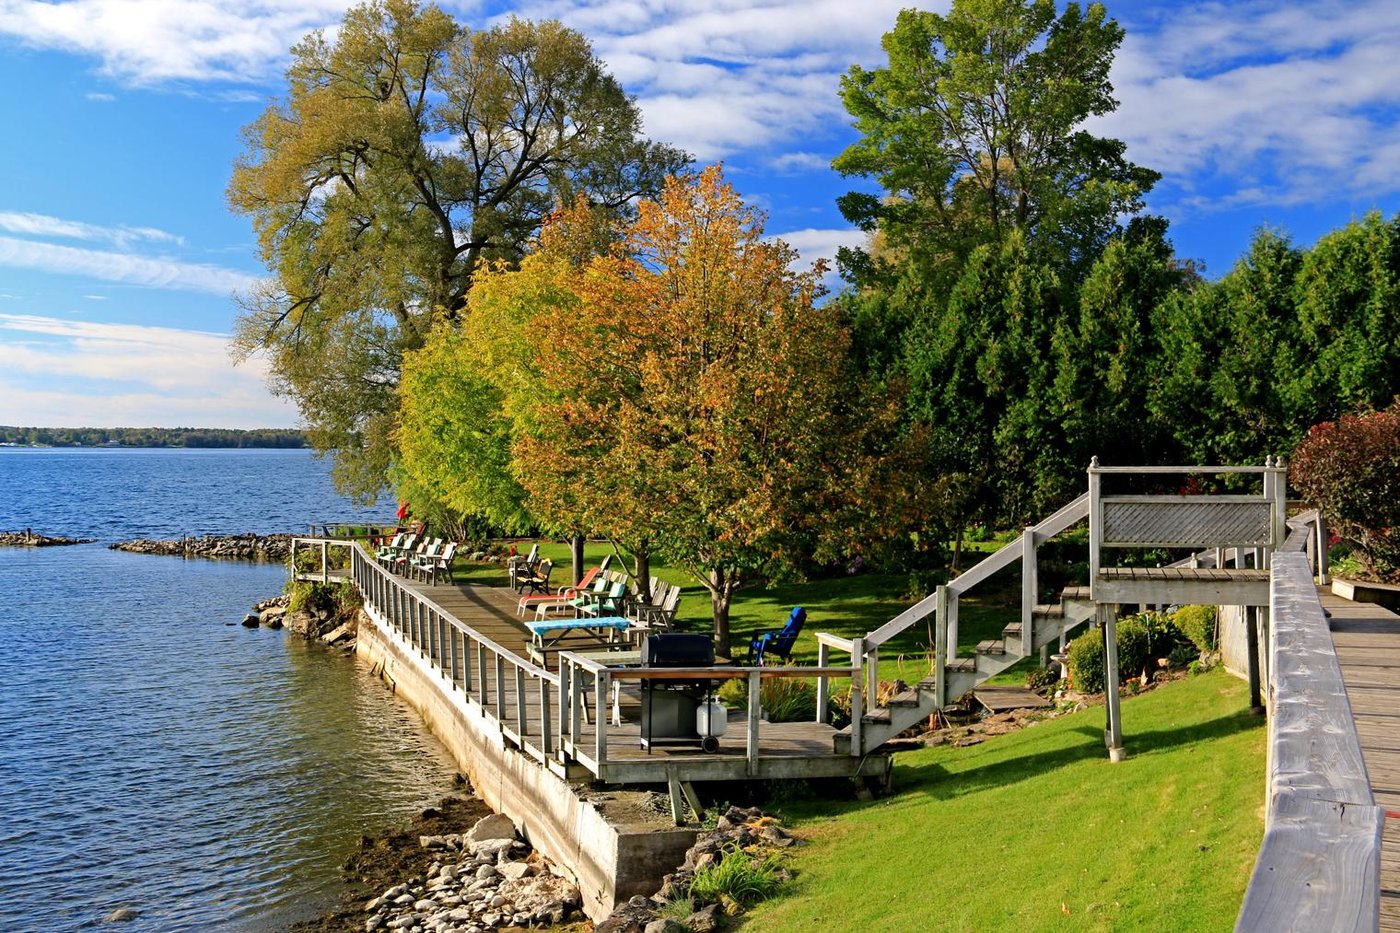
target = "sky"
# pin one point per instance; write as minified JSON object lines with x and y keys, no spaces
{"x":120,"y":261}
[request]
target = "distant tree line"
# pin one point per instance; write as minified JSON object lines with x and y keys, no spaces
{"x":152,"y":437}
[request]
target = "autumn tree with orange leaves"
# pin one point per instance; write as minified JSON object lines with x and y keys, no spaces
{"x":695,"y":398}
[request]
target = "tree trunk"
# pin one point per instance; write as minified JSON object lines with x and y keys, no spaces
{"x":576,"y":550}
{"x":641,"y":570}
{"x":719,"y":603}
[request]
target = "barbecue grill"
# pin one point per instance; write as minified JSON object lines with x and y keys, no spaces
{"x":674,"y":712}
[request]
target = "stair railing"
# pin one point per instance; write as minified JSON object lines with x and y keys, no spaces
{"x":943,"y":605}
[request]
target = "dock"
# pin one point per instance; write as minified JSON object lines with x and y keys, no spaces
{"x":1367,"y":639}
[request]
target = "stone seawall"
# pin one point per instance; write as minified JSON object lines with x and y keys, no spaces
{"x":614,"y":849}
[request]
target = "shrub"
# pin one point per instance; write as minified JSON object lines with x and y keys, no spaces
{"x":1134,"y":646}
{"x":740,"y":877}
{"x":1350,"y":469}
{"x":1086,"y":661}
{"x":1042,"y":678}
{"x":784,"y":699}
{"x":1197,"y":623}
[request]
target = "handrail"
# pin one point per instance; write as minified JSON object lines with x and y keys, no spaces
{"x":1207,"y":470}
{"x":1319,"y":864}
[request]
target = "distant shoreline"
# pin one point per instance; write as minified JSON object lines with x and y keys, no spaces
{"x":154,"y":438}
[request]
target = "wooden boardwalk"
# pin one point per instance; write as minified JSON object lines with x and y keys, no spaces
{"x":1367,"y":638}
{"x":786,"y":750}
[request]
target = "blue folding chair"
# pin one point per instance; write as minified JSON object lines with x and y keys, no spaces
{"x":776,"y":642}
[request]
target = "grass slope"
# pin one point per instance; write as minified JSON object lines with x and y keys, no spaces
{"x":1037,"y":830}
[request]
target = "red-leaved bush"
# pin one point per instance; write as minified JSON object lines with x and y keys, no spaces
{"x":1350,"y":469}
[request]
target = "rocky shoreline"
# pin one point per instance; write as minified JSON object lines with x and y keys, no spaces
{"x":250,"y":547}
{"x":28,"y":538}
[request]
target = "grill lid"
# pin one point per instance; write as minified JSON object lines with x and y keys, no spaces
{"x":678,"y":649}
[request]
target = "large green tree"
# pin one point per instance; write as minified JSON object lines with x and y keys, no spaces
{"x":408,"y":151}
{"x":975,"y":129}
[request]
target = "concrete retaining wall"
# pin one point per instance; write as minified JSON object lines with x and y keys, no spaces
{"x":612,"y":856}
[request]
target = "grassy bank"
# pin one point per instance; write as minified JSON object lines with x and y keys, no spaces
{"x":1037,"y":830}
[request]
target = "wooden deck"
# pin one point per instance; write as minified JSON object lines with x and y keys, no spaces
{"x":785,"y":750}
{"x":1227,"y":586}
{"x":1367,"y":638}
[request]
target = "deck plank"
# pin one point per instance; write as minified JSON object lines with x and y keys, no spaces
{"x":1367,"y":638}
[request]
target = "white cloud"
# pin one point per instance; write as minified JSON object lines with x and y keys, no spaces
{"x":100,"y":97}
{"x":46,"y":226}
{"x":796,"y":162}
{"x":178,"y":40}
{"x":67,"y":372}
{"x":122,"y":267}
{"x":815,"y":244}
{"x":1274,"y":104}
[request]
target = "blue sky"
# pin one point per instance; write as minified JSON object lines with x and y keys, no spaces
{"x":119,"y":259}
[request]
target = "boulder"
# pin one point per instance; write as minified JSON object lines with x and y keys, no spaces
{"x":493,"y":827}
{"x":121,"y":915}
{"x":705,"y":920}
{"x":251,"y":621}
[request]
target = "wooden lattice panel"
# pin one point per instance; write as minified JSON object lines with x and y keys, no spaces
{"x":1186,"y":521}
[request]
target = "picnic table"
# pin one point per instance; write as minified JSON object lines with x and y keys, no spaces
{"x":550,"y":636}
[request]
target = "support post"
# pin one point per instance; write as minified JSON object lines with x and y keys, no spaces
{"x":1113,"y":735}
{"x":1030,"y":587}
{"x":823,"y":684}
{"x":1324,"y":578}
{"x":1095,"y":524}
{"x":755,"y":712}
{"x":546,"y":727}
{"x":673,"y":785}
{"x":600,"y":719}
{"x":857,"y":707}
{"x":1251,"y":640}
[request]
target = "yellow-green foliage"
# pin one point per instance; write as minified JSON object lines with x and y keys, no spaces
{"x":1198,"y":624}
{"x":1086,"y":662}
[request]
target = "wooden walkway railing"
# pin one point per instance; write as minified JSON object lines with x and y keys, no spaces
{"x":1319,"y":865}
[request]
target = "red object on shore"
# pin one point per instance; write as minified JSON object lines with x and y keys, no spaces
{"x":403,"y":509}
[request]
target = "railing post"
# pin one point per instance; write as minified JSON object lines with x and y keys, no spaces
{"x":546,"y":727}
{"x":1030,"y":589}
{"x":575,"y":704}
{"x":600,"y":718}
{"x":1280,"y":490}
{"x":857,"y":707}
{"x":823,"y":683}
{"x":565,"y":734}
{"x":755,"y":713}
{"x":872,"y":676}
{"x":483,"y":678}
{"x":1095,"y":523}
{"x":1323,"y":575}
{"x":500,"y":688}
{"x":521,"y":715}
{"x":941,"y":655}
{"x":325,"y":563}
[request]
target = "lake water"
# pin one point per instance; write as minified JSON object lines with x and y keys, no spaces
{"x":153,"y":753}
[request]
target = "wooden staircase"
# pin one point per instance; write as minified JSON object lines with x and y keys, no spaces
{"x":1050,"y":622}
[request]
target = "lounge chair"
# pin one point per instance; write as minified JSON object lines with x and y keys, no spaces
{"x":387,"y":551}
{"x":442,"y":562}
{"x":538,"y":582}
{"x":766,"y":643}
{"x":611,"y":604}
{"x":565,"y":593}
{"x":418,"y":566}
{"x":520,"y":567}
{"x":661,"y":615}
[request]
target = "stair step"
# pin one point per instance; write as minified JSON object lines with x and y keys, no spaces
{"x":991,"y":647}
{"x":1075,"y":593}
{"x":905,"y":698}
{"x":927,"y":683}
{"x":1012,"y":631}
{"x":964,"y":665}
{"x":1049,"y":610}
{"x":876,"y":716}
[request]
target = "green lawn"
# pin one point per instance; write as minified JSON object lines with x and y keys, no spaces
{"x":1037,"y":830}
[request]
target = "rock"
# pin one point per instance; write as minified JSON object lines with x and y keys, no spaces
{"x":432,"y":842}
{"x":499,"y":901}
{"x":485,"y":872}
{"x":704,"y":920}
{"x":250,"y":621}
{"x":775,"y":836}
{"x":374,"y":923}
{"x":639,"y":900}
{"x":335,"y":635}
{"x":448,"y":871}
{"x":514,"y":871}
{"x":426,"y":905}
{"x":394,"y":892}
{"x":121,"y":915}
{"x":495,"y":826}
{"x":491,"y":847}
{"x":664,"y":925}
